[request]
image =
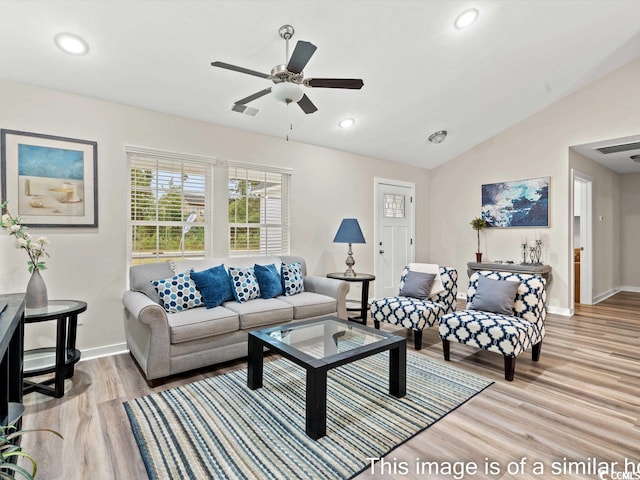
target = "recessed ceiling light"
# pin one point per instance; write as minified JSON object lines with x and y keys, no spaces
{"x":346,"y":123}
{"x":466,"y":18}
{"x":72,"y":44}
{"x":438,"y":137}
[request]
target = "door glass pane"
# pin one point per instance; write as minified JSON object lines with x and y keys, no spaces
{"x":393,"y":206}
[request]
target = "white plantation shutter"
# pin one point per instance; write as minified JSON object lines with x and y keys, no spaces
{"x":170,"y":205}
{"x":258,"y":210}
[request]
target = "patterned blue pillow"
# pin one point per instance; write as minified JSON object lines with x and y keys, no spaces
{"x":214,"y":285}
{"x":268,"y":280}
{"x":244,"y":284}
{"x":178,"y":293}
{"x":292,"y":281}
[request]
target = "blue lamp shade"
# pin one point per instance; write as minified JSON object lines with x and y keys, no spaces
{"x":349,"y":232}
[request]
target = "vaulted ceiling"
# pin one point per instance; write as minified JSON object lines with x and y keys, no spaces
{"x":420,"y":73}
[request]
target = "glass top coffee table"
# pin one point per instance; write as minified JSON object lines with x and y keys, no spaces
{"x":319,"y":345}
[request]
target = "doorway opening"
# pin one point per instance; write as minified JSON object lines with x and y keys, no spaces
{"x":582,"y":238}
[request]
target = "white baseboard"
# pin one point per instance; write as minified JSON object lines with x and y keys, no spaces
{"x":105,"y":351}
{"x":565,"y":312}
{"x":605,"y":295}
{"x":626,"y":288}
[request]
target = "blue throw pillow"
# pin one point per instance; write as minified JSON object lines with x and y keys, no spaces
{"x":244,"y":284}
{"x":268,"y":280}
{"x":178,"y":293}
{"x":214,"y":286}
{"x":292,"y":281}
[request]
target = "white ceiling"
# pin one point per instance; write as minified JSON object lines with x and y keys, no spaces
{"x":420,"y":74}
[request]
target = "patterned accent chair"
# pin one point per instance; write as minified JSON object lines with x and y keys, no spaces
{"x":509,"y":335}
{"x":416,"y":314}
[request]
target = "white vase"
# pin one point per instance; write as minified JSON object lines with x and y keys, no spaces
{"x":36,"y":291}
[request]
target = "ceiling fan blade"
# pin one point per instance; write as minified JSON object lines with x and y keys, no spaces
{"x":300,"y":56}
{"x":354,"y":83}
{"x":251,"y":98}
{"x":235,"y":68}
{"x":307,"y":105}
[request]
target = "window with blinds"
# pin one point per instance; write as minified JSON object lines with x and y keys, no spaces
{"x":170,"y":206}
{"x":258,"y":211}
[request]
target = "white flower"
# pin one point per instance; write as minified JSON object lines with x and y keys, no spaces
{"x":15,"y":228}
{"x":5,"y":219}
{"x":43,"y":241}
{"x":21,"y":243}
{"x":36,"y":247}
{"x":27,"y":236}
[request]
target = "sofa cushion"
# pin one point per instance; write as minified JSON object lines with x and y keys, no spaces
{"x":178,"y":293}
{"x":214,"y":285}
{"x":309,"y":304}
{"x":200,"y":323}
{"x":142,"y":276}
{"x":269,"y":280}
{"x":244,"y":283}
{"x":261,"y":311}
{"x":292,"y":278}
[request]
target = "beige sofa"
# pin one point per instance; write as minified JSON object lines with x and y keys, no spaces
{"x":164,"y":344}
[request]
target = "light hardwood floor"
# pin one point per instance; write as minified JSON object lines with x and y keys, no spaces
{"x":580,"y":403}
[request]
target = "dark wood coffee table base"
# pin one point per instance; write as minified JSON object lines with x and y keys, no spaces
{"x":316,"y":371}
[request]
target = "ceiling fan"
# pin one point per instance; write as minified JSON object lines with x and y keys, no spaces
{"x":288,"y":78}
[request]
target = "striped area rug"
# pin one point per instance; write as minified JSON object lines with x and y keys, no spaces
{"x":219,"y":429}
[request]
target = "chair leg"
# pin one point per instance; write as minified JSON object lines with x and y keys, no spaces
{"x":376,"y":324}
{"x":446,"y":349}
{"x":417,"y":339}
{"x":535,"y":353}
{"x":509,"y":368}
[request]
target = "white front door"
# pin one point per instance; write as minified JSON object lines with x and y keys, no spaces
{"x":394,"y":234}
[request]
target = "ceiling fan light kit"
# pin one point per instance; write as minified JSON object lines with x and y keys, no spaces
{"x":288,"y":78}
{"x":287,"y":92}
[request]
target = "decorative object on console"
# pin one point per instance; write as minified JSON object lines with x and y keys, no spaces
{"x":538,"y":252}
{"x":524,"y":254}
{"x":36,"y":288}
{"x":349,"y":232}
{"x":478,"y":224}
{"x":520,"y":203}
{"x":53,"y":181}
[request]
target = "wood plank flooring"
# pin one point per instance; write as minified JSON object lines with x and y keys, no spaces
{"x":580,"y":403}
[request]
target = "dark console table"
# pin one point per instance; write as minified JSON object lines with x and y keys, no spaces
{"x":61,"y":359}
{"x":543,"y":270}
{"x":11,"y":349}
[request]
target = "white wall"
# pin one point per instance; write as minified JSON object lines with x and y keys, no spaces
{"x":91,"y":265}
{"x":537,"y":146}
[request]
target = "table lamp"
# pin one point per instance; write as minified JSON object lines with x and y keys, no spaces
{"x":349,"y":232}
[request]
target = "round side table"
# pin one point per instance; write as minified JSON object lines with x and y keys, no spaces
{"x":59,"y":360}
{"x":353,"y":305}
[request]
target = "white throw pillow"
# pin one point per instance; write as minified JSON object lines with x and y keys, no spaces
{"x":438,"y":286}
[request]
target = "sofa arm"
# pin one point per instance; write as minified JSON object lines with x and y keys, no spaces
{"x":330,"y":287}
{"x":147,"y":332}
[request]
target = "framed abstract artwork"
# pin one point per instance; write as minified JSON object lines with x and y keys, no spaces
{"x":520,"y":203}
{"x":50,"y":181}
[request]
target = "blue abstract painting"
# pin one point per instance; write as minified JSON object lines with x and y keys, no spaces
{"x":520,"y":203}
{"x":36,"y":161}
